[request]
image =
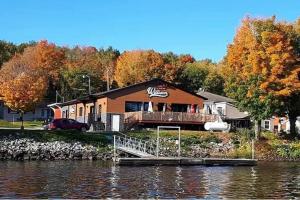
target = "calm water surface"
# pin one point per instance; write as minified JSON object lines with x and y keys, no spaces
{"x":93,"y":179}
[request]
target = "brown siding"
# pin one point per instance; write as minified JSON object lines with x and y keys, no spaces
{"x":116,"y":101}
{"x":103,"y":103}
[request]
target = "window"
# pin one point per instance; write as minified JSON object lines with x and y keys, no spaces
{"x":160,"y":107}
{"x":267,"y":124}
{"x":72,"y":121}
{"x":179,"y":107}
{"x":220,"y":110}
{"x":146,"y":106}
{"x":100,"y":109}
{"x":131,"y":106}
{"x":81,"y":111}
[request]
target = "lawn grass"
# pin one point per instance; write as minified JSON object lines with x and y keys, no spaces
{"x":27,"y":124}
{"x":185,"y":134}
{"x":97,"y":140}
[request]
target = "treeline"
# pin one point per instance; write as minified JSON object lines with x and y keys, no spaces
{"x":66,"y":69}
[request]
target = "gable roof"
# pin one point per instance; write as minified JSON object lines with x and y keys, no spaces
{"x":155,"y":80}
{"x":92,"y":97}
{"x":233,"y":112}
{"x":215,"y":97}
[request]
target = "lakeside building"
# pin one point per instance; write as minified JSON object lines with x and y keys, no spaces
{"x":279,"y":124}
{"x":146,"y":104}
{"x":224,"y":106}
{"x":41,"y":112}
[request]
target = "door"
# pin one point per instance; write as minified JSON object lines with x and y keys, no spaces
{"x":115,"y":122}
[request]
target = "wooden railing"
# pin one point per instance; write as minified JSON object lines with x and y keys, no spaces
{"x":168,"y":117}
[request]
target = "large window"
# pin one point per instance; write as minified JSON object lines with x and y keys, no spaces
{"x":179,"y":107}
{"x":131,"y":106}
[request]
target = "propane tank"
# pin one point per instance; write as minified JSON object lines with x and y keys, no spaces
{"x":216,"y":126}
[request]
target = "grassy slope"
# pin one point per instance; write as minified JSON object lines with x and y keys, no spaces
{"x":27,"y":124}
{"x":269,"y":147}
{"x":98,"y":140}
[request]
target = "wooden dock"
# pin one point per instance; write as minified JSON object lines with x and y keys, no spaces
{"x":150,"y":161}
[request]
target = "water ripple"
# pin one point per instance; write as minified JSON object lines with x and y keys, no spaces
{"x":86,"y":179}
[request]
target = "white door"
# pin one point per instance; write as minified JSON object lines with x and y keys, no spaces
{"x":116,"y":123}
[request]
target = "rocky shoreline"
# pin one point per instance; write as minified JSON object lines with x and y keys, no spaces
{"x":29,"y":149}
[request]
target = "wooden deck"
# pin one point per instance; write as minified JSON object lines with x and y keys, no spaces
{"x":168,"y":117}
{"x":185,"y":161}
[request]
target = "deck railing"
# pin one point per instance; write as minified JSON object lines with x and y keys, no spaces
{"x":169,"y":117}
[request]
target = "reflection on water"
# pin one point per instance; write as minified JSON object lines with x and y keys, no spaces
{"x":93,"y":179}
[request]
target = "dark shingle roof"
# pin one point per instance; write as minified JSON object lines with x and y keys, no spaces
{"x":93,"y":97}
{"x":215,"y":97}
{"x":145,"y":82}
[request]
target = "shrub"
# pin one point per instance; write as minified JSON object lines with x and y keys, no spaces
{"x":245,"y":133}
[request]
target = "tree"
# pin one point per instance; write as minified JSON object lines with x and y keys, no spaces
{"x":73,"y":85}
{"x":21,"y":87}
{"x":8,"y":50}
{"x":137,"y":66}
{"x":108,"y":59}
{"x":261,"y":70}
{"x":193,"y":76}
{"x":214,"y":82}
{"x":202,"y":74}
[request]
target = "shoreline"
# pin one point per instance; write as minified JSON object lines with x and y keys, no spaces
{"x":25,"y":149}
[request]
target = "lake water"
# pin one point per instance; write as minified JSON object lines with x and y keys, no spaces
{"x":95,"y":179}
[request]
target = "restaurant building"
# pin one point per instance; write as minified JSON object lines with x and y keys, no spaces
{"x":146,"y":104}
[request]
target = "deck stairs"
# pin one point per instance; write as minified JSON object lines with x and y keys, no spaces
{"x":134,"y":146}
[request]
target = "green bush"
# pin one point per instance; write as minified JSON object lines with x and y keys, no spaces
{"x":243,"y":151}
{"x":245,"y":133}
{"x":290,"y":151}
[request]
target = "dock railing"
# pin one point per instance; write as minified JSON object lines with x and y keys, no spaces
{"x":134,"y":145}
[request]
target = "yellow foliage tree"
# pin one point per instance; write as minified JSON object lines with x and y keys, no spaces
{"x":137,"y":66}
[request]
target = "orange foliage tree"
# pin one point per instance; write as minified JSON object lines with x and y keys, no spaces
{"x":261,"y":67}
{"x":21,"y":87}
{"x":137,"y":66}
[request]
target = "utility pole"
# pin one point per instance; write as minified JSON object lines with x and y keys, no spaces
{"x":107,"y":80}
{"x":87,"y":76}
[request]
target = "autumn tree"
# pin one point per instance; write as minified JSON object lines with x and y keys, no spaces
{"x":137,"y":66}
{"x":21,"y":87}
{"x":261,"y":67}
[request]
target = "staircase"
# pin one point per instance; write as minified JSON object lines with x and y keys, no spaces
{"x":134,"y":146}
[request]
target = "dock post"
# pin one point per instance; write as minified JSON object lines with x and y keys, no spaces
{"x":179,"y":141}
{"x":114,"y":148}
{"x":252,"y":148}
{"x":157,"y":142}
